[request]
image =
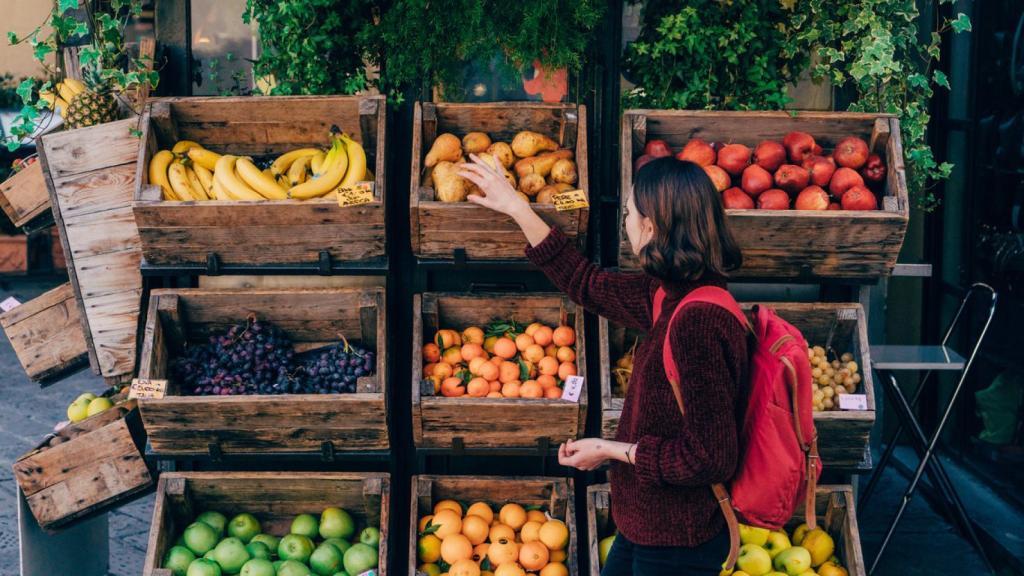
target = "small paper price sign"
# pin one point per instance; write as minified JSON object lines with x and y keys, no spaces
{"x":9,"y":304}
{"x":358,"y":193}
{"x":570,"y":200}
{"x":572,"y":388}
{"x":853,"y":402}
{"x":145,"y":388}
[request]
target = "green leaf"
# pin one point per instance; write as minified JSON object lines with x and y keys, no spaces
{"x":524,"y":371}
{"x":41,"y":50}
{"x":962,"y":23}
{"x":12,"y":38}
{"x":66,"y":5}
{"x":940,"y":78}
{"x":25,"y":89}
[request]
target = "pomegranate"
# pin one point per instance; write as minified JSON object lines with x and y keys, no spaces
{"x":859,"y":198}
{"x":733,"y":158}
{"x":817,"y":149}
{"x":812,"y":198}
{"x":843,"y":180}
{"x":657,"y":148}
{"x":820,"y":169}
{"x":720,"y":178}
{"x":851,"y":152}
{"x":773,"y":199}
{"x":799,"y":145}
{"x":736,"y":199}
{"x":792,"y":178}
{"x":769,"y":155}
{"x":697,"y":151}
{"x":874,"y":169}
{"x":755,"y":180}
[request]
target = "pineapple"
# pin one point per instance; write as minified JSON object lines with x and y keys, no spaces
{"x":94,"y":105}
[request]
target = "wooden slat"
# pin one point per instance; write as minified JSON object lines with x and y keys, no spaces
{"x":46,"y":334}
{"x":23,"y":196}
{"x":90,"y":149}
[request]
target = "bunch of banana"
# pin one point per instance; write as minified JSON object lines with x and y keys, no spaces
{"x":66,"y":90}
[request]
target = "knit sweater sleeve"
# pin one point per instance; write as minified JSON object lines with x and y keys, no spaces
{"x":620,"y":297}
{"x":709,"y":348}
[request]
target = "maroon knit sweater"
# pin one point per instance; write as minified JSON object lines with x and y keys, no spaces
{"x":665,"y":499}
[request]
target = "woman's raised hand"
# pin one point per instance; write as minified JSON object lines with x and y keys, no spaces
{"x":498,"y":193}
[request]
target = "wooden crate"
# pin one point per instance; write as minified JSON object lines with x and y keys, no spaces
{"x":86,"y":467}
{"x":443,"y":422}
{"x":179,"y":424}
{"x":46,"y":334}
{"x":834,"y":507}
{"x":272,"y":231}
{"x":275,"y":498}
{"x":789,"y":244}
{"x":555,"y":495}
{"x":843,"y":435}
{"x":90,"y":173}
{"x":13,"y":254}
{"x":24,"y":196}
{"x":440,"y":229}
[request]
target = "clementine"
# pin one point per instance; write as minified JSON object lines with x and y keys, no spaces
{"x":547,"y":381}
{"x":478,"y":388}
{"x":508,"y":371}
{"x":447,"y":338}
{"x":505,"y":347}
{"x":431,"y":353}
{"x":553,"y":393}
{"x":448,"y":522}
{"x":452,"y":356}
{"x":532,"y":328}
{"x":554,"y":569}
{"x":473,"y":335}
{"x":502,"y":551}
{"x":566,"y":369}
{"x":464,"y":567}
{"x":455,"y":547}
{"x":499,"y":531}
{"x":524,"y":341}
{"x":512,"y":515}
{"x":534,"y":353}
{"x":510,"y":389}
{"x":532,"y":555}
{"x":481,"y":509}
{"x":554,"y":534}
{"x":452,"y":387}
{"x":543,"y":335}
{"x":488,"y":370}
{"x":476,"y":529}
{"x":475,"y":364}
{"x":443,"y":369}
{"x":471,"y":351}
{"x":548,"y":365}
{"x":563,"y":336}
{"x":494,"y":385}
{"x":531,"y":530}
{"x":565,"y":354}
{"x":536,"y":516}
{"x":531,"y":389}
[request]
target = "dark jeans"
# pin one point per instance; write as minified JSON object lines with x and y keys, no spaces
{"x":629,"y":559}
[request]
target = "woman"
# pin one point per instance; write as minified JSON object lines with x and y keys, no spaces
{"x":662,"y":462}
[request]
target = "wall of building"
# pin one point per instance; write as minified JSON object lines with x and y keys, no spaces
{"x":20,"y":17}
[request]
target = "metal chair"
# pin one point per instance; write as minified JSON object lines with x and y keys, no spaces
{"x":886,"y":360}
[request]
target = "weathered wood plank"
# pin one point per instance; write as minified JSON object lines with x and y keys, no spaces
{"x":46,"y":334}
{"x":91,"y":149}
{"x":23,"y":196}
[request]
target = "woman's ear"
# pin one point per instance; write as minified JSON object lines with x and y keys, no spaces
{"x":646,"y":231}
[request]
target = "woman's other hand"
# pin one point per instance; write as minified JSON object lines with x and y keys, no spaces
{"x":585,"y":454}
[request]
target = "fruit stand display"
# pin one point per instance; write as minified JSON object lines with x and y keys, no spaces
{"x":504,"y":524}
{"x":837,"y":331}
{"x":266,"y":371}
{"x":86,"y":466}
{"x":46,"y":334}
{"x":808,"y":161}
{"x":831,"y":550}
{"x":542,"y":149}
{"x":482,"y":378}
{"x":24,"y":196}
{"x":205,"y":196}
{"x":261,"y":522}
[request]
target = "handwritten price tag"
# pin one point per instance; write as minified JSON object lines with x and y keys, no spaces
{"x":572,"y":388}
{"x":853,"y":402}
{"x":570,"y":200}
{"x":9,"y":304}
{"x":144,"y":388}
{"x":358,"y":193}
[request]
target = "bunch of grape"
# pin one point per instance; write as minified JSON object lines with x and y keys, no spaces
{"x":840,"y":376}
{"x":334,"y":368}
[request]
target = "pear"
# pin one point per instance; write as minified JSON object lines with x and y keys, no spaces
{"x":446,"y":147}
{"x":527,"y":143}
{"x":476,"y":142}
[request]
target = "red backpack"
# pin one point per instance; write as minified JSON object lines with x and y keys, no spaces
{"x":778,"y":465}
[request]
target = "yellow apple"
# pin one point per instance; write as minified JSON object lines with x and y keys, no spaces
{"x":798,"y":534}
{"x":793,"y":561}
{"x":809,"y":573}
{"x":78,"y":410}
{"x":753,"y":535}
{"x":820,"y":545}
{"x":754,"y":560}
{"x":777,"y":542}
{"x":831,"y":569}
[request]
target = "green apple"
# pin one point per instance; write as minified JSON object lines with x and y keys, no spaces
{"x":244,"y":527}
{"x":293,"y":568}
{"x":231,"y":554}
{"x":820,"y":545}
{"x":216,"y":520}
{"x":604,"y":547}
{"x":753,"y":534}
{"x":360,"y":558}
{"x":295,"y":547}
{"x":270,"y":541}
{"x":85,"y":397}
{"x":754,"y":560}
{"x":78,"y":410}
{"x":258,"y":550}
{"x":305,"y":525}
{"x":341,"y":545}
{"x":793,"y":560}
{"x":326,"y":560}
{"x":777,"y":542}
{"x":258,"y":567}
{"x":209,"y":555}
{"x":335,"y":523}
{"x":200,"y":538}
{"x":203,"y":567}
{"x":370,"y":536}
{"x":177,"y":560}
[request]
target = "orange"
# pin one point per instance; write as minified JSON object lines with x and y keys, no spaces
{"x":533,"y":555}
{"x":452,"y":356}
{"x":510,"y":389}
{"x":471,"y":351}
{"x":512,"y":515}
{"x":488,"y":370}
{"x":428,"y":369}
{"x":452,"y":387}
{"x":495,"y":386}
{"x":448,"y":522}
{"x":551,"y":350}
{"x":489,"y":344}
{"x":473,"y":335}
{"x":475,"y":364}
{"x":531,"y":530}
{"x":557,"y":556}
{"x":455,"y":547}
{"x":523,"y":341}
{"x":536,"y":516}
{"x":496,"y":360}
{"x":480,"y":552}
{"x":504,"y":551}
{"x":553,"y":393}
{"x":478,"y":388}
{"x":566,"y":369}
{"x":554,"y":534}
{"x":424,"y":521}
{"x":533,"y":353}
{"x":510,"y":569}
{"x":554,"y":569}
{"x":431,"y":353}
{"x":431,"y":569}
{"x":483,"y":510}
{"x":447,"y":338}
{"x":448,"y":504}
{"x":443,"y":369}
{"x":547,"y":381}
{"x":476,"y":529}
{"x":499,"y":531}
{"x":508,"y":371}
{"x":531,"y":389}
{"x":565,"y":354}
{"x":429,"y":548}
{"x":505,"y":348}
{"x":543,"y":336}
{"x":464,"y":567}
{"x":548,"y":365}
{"x":563,"y":336}
{"x":532,"y":328}
{"x":495,"y":394}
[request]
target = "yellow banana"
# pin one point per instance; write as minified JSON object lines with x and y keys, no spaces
{"x":298,"y":171}
{"x":198,"y":192}
{"x":327,"y":181}
{"x":66,"y":92}
{"x":218,"y":191}
{"x":76,"y":86}
{"x":265,"y":185}
{"x":284,"y":161}
{"x":158,"y":173}
{"x":179,"y":181}
{"x":205,"y":180}
{"x":316,"y":163}
{"x":183,"y":146}
{"x":234,"y":186}
{"x":356,"y":161}
{"x":205,"y":158}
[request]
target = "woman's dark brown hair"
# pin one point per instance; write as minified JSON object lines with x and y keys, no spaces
{"x":691,"y":236}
